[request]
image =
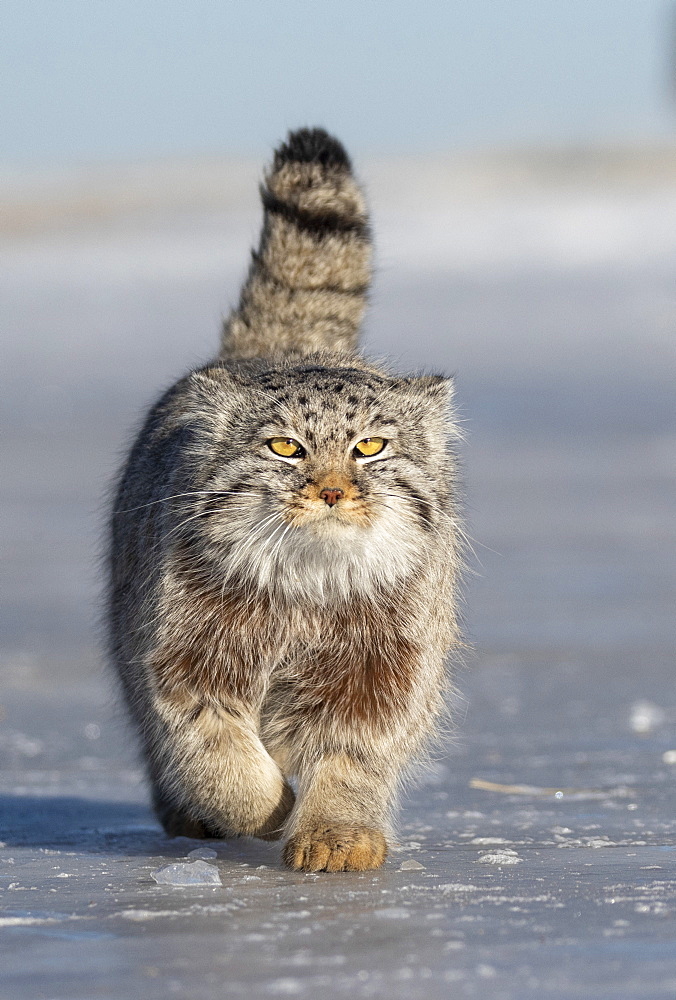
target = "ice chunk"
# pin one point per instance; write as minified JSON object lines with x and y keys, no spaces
{"x":505,"y":857}
{"x":187,"y":873}
{"x":204,"y":853}
{"x":411,"y":866}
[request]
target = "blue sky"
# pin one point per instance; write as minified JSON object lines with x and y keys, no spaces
{"x":92,"y":80}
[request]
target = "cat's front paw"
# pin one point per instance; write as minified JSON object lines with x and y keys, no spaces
{"x":336,"y":849}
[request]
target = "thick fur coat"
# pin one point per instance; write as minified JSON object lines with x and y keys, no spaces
{"x":285,"y":550}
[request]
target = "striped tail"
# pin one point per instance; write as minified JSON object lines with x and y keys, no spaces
{"x":307,"y":285}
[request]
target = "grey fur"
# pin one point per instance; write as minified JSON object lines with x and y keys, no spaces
{"x":261,"y":635}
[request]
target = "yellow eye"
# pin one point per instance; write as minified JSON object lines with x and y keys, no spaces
{"x":370,"y":446}
{"x":286,"y":447}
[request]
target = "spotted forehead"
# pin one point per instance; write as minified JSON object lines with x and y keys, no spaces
{"x":316,"y":397}
{"x":326,"y":405}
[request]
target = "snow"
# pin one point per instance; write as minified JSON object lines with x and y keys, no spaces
{"x":26,"y":921}
{"x":284,"y":987}
{"x":139,"y":916}
{"x":646,"y":716}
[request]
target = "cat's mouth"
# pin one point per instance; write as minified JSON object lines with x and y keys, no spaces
{"x":319,"y":513}
{"x":331,"y":499}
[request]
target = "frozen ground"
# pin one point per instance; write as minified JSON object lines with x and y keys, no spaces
{"x":544,"y":838}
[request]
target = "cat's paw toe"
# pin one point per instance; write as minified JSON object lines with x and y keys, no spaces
{"x":336,"y":849}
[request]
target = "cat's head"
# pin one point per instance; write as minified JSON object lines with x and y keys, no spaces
{"x":320,"y":479}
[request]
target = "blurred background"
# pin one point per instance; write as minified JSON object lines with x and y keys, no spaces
{"x":520,"y":160}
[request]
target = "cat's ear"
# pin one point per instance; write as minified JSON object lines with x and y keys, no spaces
{"x":216,"y":383}
{"x":431,"y":392}
{"x":427,"y":403}
{"x":214,"y":398}
{"x":440,"y":388}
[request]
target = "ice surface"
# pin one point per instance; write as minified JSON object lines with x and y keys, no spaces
{"x":187,"y":873}
{"x":392,"y":913}
{"x":565,"y":376}
{"x":203,"y":853}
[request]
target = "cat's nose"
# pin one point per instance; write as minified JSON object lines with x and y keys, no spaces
{"x":331,"y":496}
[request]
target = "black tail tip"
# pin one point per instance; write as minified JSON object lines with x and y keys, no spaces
{"x":312,"y":145}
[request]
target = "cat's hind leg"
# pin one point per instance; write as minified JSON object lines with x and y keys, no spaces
{"x":176,"y":821}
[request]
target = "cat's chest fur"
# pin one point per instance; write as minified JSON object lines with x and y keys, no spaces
{"x":341,"y":658}
{"x":216,"y":642}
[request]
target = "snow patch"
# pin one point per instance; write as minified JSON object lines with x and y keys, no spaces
{"x":285,"y":987}
{"x":141,"y":915}
{"x":26,"y":921}
{"x":645,"y":716}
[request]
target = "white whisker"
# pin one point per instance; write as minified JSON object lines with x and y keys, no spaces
{"x":193,"y":493}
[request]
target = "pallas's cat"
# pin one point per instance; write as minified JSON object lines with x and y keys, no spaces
{"x":285,"y":550}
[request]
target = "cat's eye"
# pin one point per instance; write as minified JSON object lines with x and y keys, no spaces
{"x":369,"y":446}
{"x":286,"y":447}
